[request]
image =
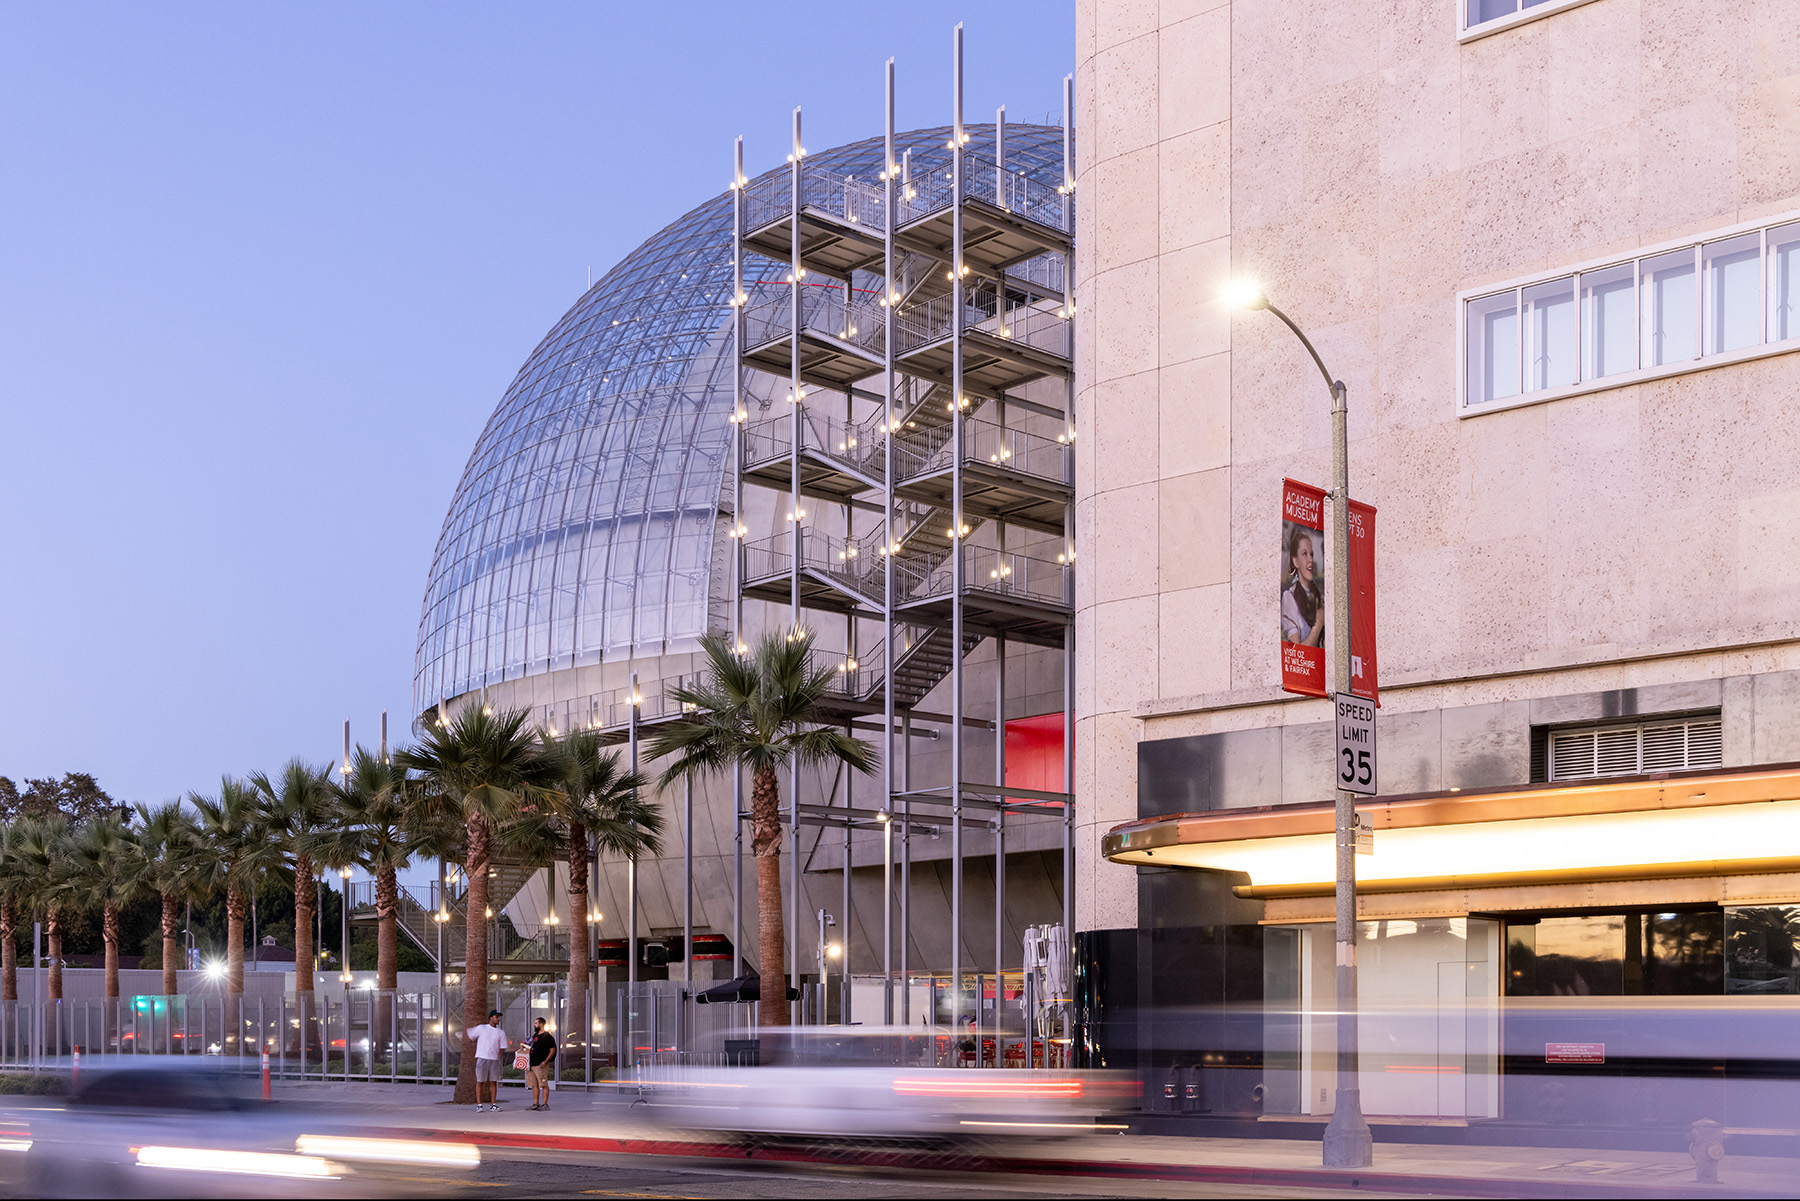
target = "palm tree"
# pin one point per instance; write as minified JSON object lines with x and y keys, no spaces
{"x":762,"y":711}
{"x":168,"y":836}
{"x":482,"y":768}
{"x":38,"y":848}
{"x":12,"y":888}
{"x":294,"y":804}
{"x":234,"y":853}
{"x":597,"y":797}
{"x":373,"y":823}
{"x":106,"y":867}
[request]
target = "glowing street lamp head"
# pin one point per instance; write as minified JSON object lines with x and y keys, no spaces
{"x":1244,"y":294}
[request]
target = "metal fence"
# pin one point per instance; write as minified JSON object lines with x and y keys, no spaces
{"x":401,"y":1036}
{"x":369,"y":1035}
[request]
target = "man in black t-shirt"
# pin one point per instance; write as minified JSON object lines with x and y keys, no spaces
{"x":543,"y":1062}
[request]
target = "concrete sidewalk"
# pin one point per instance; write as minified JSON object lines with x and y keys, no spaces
{"x":607,"y":1123}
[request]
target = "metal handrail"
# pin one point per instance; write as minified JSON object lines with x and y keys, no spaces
{"x":822,"y":311}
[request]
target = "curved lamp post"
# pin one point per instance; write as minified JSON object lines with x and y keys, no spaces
{"x":1347,"y":1140}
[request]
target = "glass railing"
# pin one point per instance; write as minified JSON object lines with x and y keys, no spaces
{"x":986,"y":570}
{"x":1039,"y":324}
{"x":849,"y":199}
{"x":1014,"y":574}
{"x":854,"y":673}
{"x":929,"y":190}
{"x":771,"y":556}
{"x":770,"y":316}
{"x":856,"y":562}
{"x":1016,"y":450}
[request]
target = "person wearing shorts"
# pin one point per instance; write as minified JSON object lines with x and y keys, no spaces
{"x":490,"y":1045}
{"x":543,"y":1062}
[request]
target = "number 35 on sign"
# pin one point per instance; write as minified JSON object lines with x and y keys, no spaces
{"x":1355,"y":744}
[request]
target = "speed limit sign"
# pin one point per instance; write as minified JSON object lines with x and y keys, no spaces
{"x":1355,"y":744}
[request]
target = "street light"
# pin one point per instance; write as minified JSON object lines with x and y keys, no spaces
{"x":344,"y":912}
{"x":1347,"y":1140}
{"x":826,"y":921}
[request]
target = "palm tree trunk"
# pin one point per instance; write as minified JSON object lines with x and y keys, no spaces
{"x":387,"y":927}
{"x":475,"y":968}
{"x":236,"y":906}
{"x":9,"y":950}
{"x":765,"y":819}
{"x":109,"y":934}
{"x":304,"y":898}
{"x":387,"y":954}
{"x":53,"y":949}
{"x":579,"y":1023}
{"x":170,"y":935}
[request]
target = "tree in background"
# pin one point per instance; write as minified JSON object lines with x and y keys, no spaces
{"x":295,"y":804}
{"x":762,"y":711}
{"x":234,"y":853}
{"x":167,"y":835}
{"x":480,"y":769}
{"x":104,"y":867}
{"x":376,"y":823}
{"x":38,"y":847}
{"x":597,"y":798}
{"x":77,"y":796}
{"x":13,"y":887}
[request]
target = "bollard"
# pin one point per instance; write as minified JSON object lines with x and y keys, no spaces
{"x":75,"y":1073}
{"x":1706,"y":1143}
{"x":266,"y":1092}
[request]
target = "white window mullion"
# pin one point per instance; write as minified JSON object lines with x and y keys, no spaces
{"x":1699,"y":301}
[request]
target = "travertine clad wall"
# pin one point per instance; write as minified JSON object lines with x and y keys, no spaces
{"x":1153,"y":404}
{"x":1366,"y":166}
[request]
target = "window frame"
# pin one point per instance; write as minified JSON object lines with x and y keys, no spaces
{"x":1466,"y":32}
{"x":1696,"y":244}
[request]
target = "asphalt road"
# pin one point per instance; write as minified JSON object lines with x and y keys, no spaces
{"x":571,"y":1174}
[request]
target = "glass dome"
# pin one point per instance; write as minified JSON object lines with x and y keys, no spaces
{"x":588,"y":523}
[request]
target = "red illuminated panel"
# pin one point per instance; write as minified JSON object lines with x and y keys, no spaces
{"x":1034,"y":752}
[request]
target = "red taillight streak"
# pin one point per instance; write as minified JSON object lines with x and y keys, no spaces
{"x":987,"y":1088}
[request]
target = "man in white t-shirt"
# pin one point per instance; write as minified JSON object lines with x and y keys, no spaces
{"x":490,"y":1045}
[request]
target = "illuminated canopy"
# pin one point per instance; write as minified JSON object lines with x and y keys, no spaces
{"x":1693,"y":823}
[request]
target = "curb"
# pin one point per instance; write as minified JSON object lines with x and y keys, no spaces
{"x":942,"y":1161}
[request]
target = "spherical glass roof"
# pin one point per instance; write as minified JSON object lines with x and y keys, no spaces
{"x":587,"y":524}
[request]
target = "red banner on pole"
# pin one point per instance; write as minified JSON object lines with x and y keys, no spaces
{"x":1362,"y":601}
{"x":1304,"y":615}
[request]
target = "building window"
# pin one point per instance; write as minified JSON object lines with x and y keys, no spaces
{"x":1677,"y":309}
{"x":1483,"y":11}
{"x":1616,"y":954}
{"x":1634,"y":748}
{"x":1482,"y":17}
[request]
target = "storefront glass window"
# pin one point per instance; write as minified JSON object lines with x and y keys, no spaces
{"x":1616,"y":954}
{"x":1762,"y":949}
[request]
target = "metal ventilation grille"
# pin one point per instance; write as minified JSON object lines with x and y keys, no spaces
{"x":1624,"y":750}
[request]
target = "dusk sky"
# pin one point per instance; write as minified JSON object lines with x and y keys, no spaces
{"x":265,"y":270}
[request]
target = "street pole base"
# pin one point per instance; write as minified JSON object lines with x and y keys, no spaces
{"x":1348,"y":1143}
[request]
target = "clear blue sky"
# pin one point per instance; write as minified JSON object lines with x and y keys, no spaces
{"x":265,"y":269}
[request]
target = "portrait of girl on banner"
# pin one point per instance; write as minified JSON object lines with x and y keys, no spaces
{"x":1302,"y":596}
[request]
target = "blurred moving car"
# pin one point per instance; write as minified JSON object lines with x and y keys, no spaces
{"x":178,"y":1126}
{"x":875,"y":1082}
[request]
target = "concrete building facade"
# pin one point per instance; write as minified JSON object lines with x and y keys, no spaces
{"x":1551,"y":251}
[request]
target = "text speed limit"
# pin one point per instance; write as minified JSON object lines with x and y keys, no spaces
{"x":1355,"y":744}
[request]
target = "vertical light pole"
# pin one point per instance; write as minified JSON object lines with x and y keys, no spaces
{"x":344,"y":907}
{"x":344,"y":912}
{"x":631,"y":884}
{"x":1347,"y":1140}
{"x":826,"y":921}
